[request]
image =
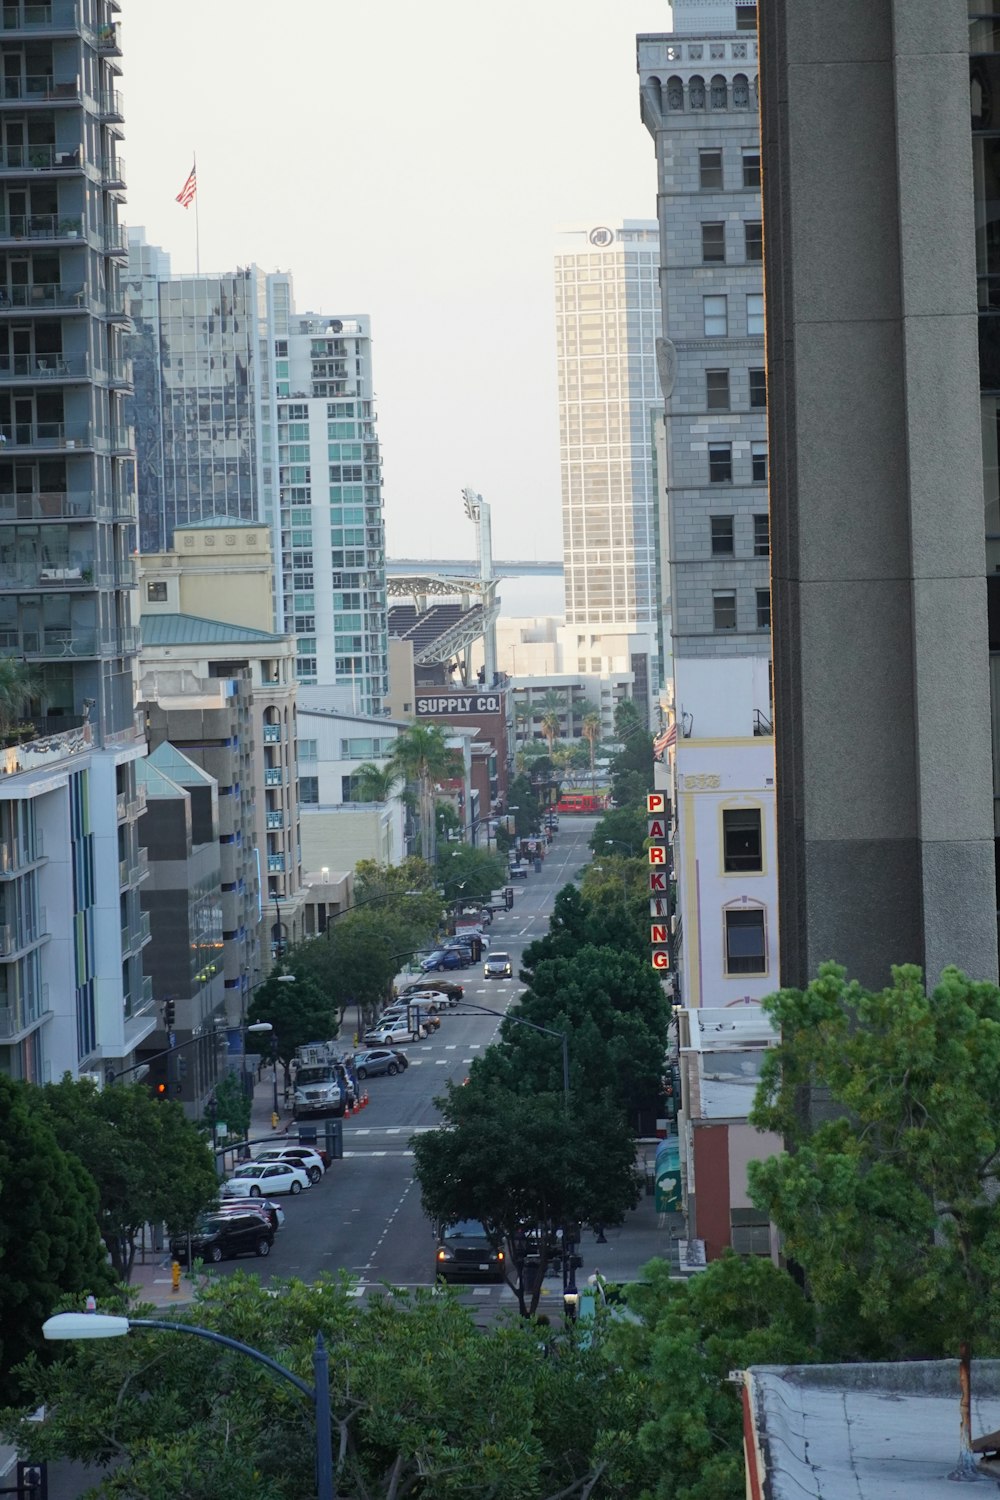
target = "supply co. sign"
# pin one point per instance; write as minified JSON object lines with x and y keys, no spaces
{"x":445,"y":706}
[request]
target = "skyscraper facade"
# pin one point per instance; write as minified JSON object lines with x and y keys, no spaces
{"x":72,"y":993}
{"x":698,"y":91}
{"x":248,"y":410}
{"x":607,"y":324}
{"x":881,"y":234}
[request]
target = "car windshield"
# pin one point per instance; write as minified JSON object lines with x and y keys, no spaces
{"x":465,"y":1229}
{"x":498,"y":958}
{"x":248,"y":1171}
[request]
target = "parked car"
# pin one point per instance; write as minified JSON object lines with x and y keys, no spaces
{"x":497,"y":966}
{"x":451,"y":990}
{"x":429,"y":1000}
{"x":413,"y":1013}
{"x":300,"y":1156}
{"x":218,"y":1236}
{"x":372,"y":1062}
{"x":272,"y":1213}
{"x":444,"y":958}
{"x":464,"y":1253}
{"x":519,"y":871}
{"x":396,"y":1031}
{"x":259,"y":1179}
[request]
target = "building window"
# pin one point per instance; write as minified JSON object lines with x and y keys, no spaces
{"x":156,"y":593}
{"x":722,"y":536}
{"x":717,"y":390}
{"x":746,"y":17}
{"x":308,"y":750}
{"x":720,"y":463}
{"x":751,"y":169}
{"x":758,"y":390}
{"x":758,"y":461}
{"x":746,"y":942}
{"x":713,"y":244}
{"x":724,"y":609}
{"x":309,"y":790}
{"x":762,"y":535}
{"x":753,"y":239}
{"x":755,"y":314}
{"x":742,"y":846}
{"x":763,"y":609}
{"x":716,"y":317}
{"x":710,"y":170}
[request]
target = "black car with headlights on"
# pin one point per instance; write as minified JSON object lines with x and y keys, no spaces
{"x":464,"y":1253}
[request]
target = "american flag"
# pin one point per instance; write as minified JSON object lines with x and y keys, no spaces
{"x":664,"y":741}
{"x":186,"y":195}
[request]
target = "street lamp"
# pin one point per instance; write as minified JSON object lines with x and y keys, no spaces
{"x":484,"y":1010}
{"x":266,"y":1026}
{"x":622,"y":844}
{"x":94,"y":1325}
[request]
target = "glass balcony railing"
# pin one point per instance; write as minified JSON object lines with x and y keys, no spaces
{"x":45,"y":435}
{"x":40,"y":227}
{"x":110,"y":105}
{"x":34,"y":158}
{"x":45,"y":507}
{"x":45,"y":295}
{"x":39,"y":88}
{"x":13,"y":861}
{"x":47,"y":369}
{"x":113,"y":172}
{"x":121,"y":807}
{"x":28,"y":16}
{"x":109,"y":39}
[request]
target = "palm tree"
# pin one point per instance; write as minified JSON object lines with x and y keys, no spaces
{"x":522,"y":719}
{"x":421,"y":755}
{"x":591,"y":731}
{"x":374,"y":783}
{"x":553,"y":706}
{"x":19,"y":683}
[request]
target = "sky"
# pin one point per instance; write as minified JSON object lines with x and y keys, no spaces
{"x":414,"y":162}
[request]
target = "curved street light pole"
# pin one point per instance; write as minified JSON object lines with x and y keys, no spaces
{"x":532,"y":1026}
{"x":94,"y":1325}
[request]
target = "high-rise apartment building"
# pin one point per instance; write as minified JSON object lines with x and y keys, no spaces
{"x":323,"y":487}
{"x":247,"y":410}
{"x":699,"y":102}
{"x":607,"y":325}
{"x":882,"y":224}
{"x":72,"y":993}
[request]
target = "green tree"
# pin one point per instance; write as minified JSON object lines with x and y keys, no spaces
{"x":447,"y":820}
{"x":424,"y":1403}
{"x":373,"y":783}
{"x":421,"y":755}
{"x":19,"y":684}
{"x":361,"y":953}
{"x":553,"y":707}
{"x":680,"y":1344}
{"x":889,"y":1206}
{"x":50,"y":1247}
{"x":469,"y":873}
{"x":232,"y":1106}
{"x":623,"y":828}
{"x":150,"y":1164}
{"x":514,"y":1159}
{"x":521,"y":794}
{"x":372,"y":880}
{"x":299,"y":1013}
{"x":590,"y":729}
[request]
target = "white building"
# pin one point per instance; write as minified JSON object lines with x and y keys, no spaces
{"x":336,"y":829}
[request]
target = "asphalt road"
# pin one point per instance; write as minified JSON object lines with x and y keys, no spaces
{"x":365,"y":1216}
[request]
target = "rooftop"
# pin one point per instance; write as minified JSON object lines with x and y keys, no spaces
{"x":864,"y":1432}
{"x":192,"y":630}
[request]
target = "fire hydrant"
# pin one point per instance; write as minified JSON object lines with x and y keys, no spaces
{"x":175,"y":1276}
{"x":275,"y":1121}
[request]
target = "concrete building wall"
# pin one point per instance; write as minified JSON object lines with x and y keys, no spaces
{"x":883,"y":719}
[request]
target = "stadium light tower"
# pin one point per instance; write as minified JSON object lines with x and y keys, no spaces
{"x":478,"y":511}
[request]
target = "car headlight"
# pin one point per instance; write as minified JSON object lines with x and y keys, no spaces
{"x":444,"y":1254}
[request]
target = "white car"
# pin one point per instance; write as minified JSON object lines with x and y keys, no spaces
{"x":297,"y":1156}
{"x":259,"y":1179}
{"x":388,"y":1034}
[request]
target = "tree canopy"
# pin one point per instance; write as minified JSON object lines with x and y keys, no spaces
{"x":150,"y":1163}
{"x":299,"y":1013}
{"x":468,"y":873}
{"x":887,"y":1197}
{"x":50,"y":1247}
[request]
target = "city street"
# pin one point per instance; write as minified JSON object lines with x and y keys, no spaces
{"x":365,"y":1216}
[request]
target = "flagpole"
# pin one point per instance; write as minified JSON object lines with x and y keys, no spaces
{"x":197,"y":225}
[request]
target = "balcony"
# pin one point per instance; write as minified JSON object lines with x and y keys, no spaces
{"x":15,"y":1022}
{"x":273,"y":776}
{"x":54,"y":575}
{"x":44,"y":750}
{"x":31,"y":17}
{"x":15,"y":862}
{"x":119,"y":374}
{"x":113,"y":240}
{"x":275,"y":820}
{"x":109,"y":39}
{"x":110,"y":107}
{"x":18,"y":940}
{"x":122,"y":440}
{"x":121,"y":807}
{"x":42,"y":297}
{"x":272,"y":734}
{"x":39,"y":227}
{"x":60,"y":642}
{"x":137,"y":805}
{"x":112,"y":172}
{"x":45,"y":507}
{"x":41,"y":88}
{"x":53,"y":369}
{"x":142,"y":868}
{"x":59,"y":435}
{"x":275,"y":864}
{"x":21,"y":159}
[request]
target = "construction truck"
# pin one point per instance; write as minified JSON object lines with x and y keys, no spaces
{"x":320,"y":1081}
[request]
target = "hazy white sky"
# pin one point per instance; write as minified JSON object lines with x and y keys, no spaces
{"x":412,"y":161}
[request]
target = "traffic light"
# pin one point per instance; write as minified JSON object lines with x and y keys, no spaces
{"x":169,"y":1012}
{"x":159,"y":1091}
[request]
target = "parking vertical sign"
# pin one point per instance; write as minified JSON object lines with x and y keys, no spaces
{"x":659,"y":880}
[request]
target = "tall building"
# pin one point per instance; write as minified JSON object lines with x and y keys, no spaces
{"x":247,"y":410}
{"x":882,"y":218}
{"x":323,"y":482}
{"x":698,"y":90}
{"x":607,"y":324}
{"x":72,"y":993}
{"x":195,"y":345}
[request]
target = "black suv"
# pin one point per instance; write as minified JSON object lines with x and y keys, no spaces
{"x":220,"y":1235}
